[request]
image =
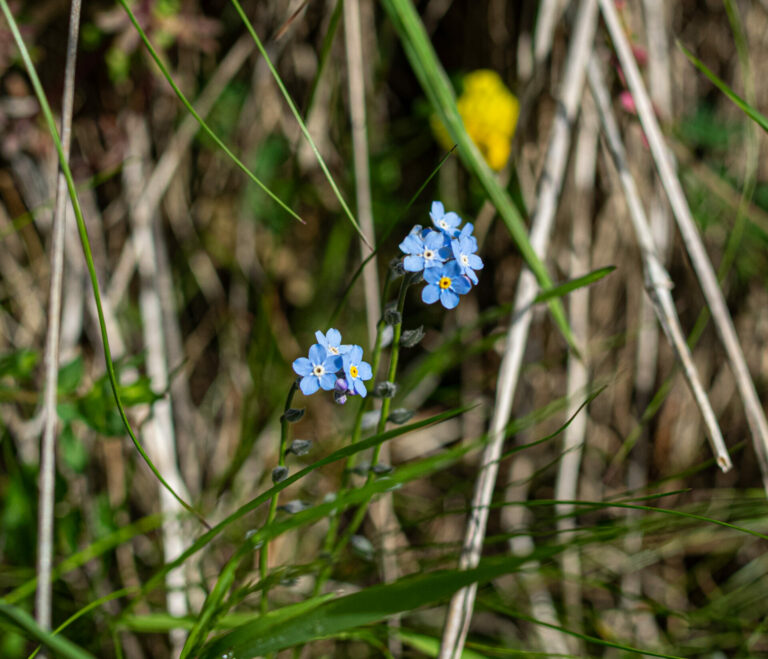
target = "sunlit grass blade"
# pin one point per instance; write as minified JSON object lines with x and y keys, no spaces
{"x":370,"y":605}
{"x":573,"y":284}
{"x":27,"y":625}
{"x":440,"y":94}
{"x":760,"y":119}
{"x":51,"y":123}
{"x":429,"y":645}
{"x":299,"y":120}
{"x":203,"y":125}
{"x":341,"y":454}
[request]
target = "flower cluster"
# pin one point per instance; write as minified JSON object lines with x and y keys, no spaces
{"x":445,"y":254}
{"x":489,"y":111}
{"x":332,"y":366}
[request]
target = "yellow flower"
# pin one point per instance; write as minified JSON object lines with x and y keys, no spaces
{"x":489,"y":111}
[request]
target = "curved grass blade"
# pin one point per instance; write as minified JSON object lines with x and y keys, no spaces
{"x":367,"y":606}
{"x":341,"y":454}
{"x":299,"y":120}
{"x":206,"y":129}
{"x":25,"y":623}
{"x":41,"y":98}
{"x":584,"y":637}
{"x":437,"y":87}
{"x":574,"y":284}
{"x":760,"y":119}
{"x":325,"y":51}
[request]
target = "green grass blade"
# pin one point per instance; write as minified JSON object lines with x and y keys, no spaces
{"x":299,"y":120}
{"x":340,"y":454}
{"x":751,"y":112}
{"x":365,"y":607}
{"x":61,"y":646}
{"x":573,"y":284}
{"x":206,"y":129}
{"x":45,"y":107}
{"x":440,"y":94}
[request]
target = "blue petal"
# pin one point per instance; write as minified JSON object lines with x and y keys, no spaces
{"x":309,"y":385}
{"x":356,"y":355}
{"x":472,"y":276}
{"x":411,"y":245}
{"x":452,"y":219}
{"x":437,"y":211}
{"x":302,"y":366}
{"x":321,"y":339}
{"x":430,"y":294}
{"x":432,"y":275}
{"x":332,"y":363}
{"x":434,"y":240}
{"x":448,"y":298}
{"x":452,"y":269}
{"x":413,"y":263}
{"x":467,"y":230}
{"x":433,"y":263}
{"x":327,"y":381}
{"x":364,"y":371}
{"x":344,"y":349}
{"x":333,"y":336}
{"x":460,"y":285}
{"x":360,"y":388}
{"x":475,"y":262}
{"x":317,"y":354}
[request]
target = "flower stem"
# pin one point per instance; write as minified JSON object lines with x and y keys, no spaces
{"x":264,"y":554}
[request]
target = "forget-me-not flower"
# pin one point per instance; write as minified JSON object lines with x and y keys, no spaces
{"x":464,"y":247}
{"x":319,"y":371}
{"x":356,"y":370}
{"x":448,"y":223}
{"x":331,"y":341}
{"x":445,"y":284}
{"x":427,"y":251}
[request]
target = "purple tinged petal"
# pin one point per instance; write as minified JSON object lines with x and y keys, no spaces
{"x":413,"y":263}
{"x":302,"y":366}
{"x":430,"y":294}
{"x":448,"y":298}
{"x":309,"y":385}
{"x":327,"y":381}
{"x":341,"y":385}
{"x":317,"y":354}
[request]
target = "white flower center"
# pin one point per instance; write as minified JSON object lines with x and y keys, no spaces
{"x":429,"y":254}
{"x":318,"y":370}
{"x":333,"y":350}
{"x":465,"y":259}
{"x":444,"y":225}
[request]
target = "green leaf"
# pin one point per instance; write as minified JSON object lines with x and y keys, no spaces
{"x":362,"y":608}
{"x":572,"y":284}
{"x":70,"y":375}
{"x":61,"y":646}
{"x":745,"y":107}
{"x":73,"y":450}
{"x":19,"y":364}
{"x":430,"y":645}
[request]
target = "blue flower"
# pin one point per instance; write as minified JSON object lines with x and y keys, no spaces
{"x":448,"y":223}
{"x":464,"y":247}
{"x":319,"y":371}
{"x":445,"y":284}
{"x":356,"y":370}
{"x":331,"y":341}
{"x":423,"y":251}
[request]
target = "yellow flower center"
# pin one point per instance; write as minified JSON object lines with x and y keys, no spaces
{"x":445,"y":282}
{"x":333,"y":350}
{"x":353,"y":371}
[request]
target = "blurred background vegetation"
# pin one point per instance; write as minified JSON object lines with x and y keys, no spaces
{"x":243,"y":286}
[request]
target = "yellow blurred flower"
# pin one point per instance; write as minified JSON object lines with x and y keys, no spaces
{"x":489,"y":111}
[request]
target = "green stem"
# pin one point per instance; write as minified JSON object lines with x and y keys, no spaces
{"x":264,"y":554}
